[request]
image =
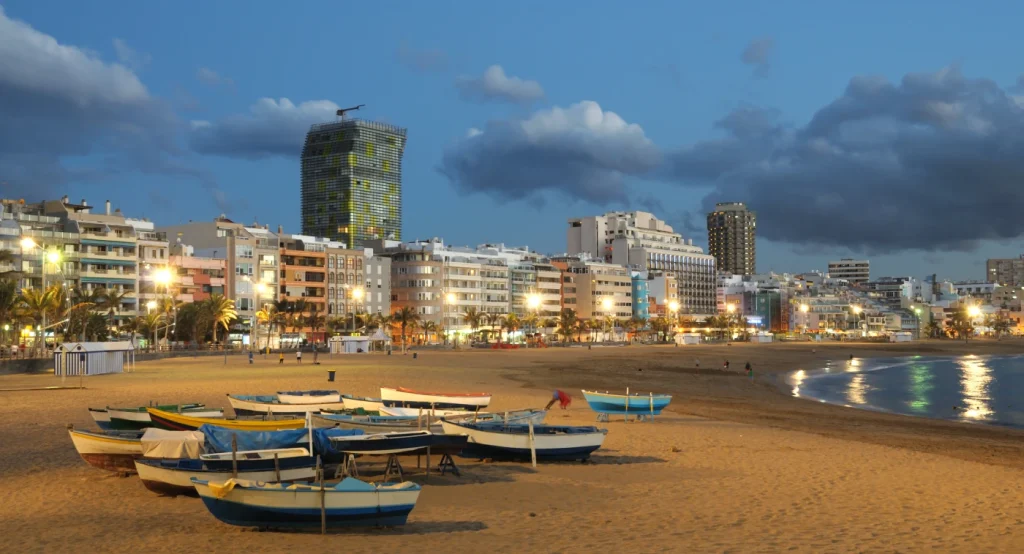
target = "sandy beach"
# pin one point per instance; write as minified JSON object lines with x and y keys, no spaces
{"x":734,"y":466}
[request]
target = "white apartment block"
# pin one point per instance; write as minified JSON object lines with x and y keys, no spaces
{"x":642,"y":242}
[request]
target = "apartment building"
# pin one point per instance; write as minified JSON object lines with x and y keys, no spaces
{"x":853,"y":271}
{"x":153,"y":258}
{"x":48,"y":233}
{"x":1008,"y":272}
{"x":732,"y":238}
{"x":642,"y":242}
{"x":377,"y":299}
{"x":595,"y":289}
{"x":194,"y":278}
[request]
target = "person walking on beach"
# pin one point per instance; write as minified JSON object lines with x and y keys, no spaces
{"x":697,"y":362}
{"x":250,"y":357}
{"x":563,"y":400}
{"x":750,"y":371}
{"x":298,"y":355}
{"x":280,"y":360}
{"x":726,"y":365}
{"x":316,"y":354}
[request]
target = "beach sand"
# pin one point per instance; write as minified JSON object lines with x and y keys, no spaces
{"x":734,"y":466}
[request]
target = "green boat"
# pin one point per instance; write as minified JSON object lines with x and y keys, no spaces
{"x":124,"y":419}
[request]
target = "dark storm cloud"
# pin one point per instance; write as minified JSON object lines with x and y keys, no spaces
{"x":758,"y":54}
{"x":933,"y":162}
{"x":61,"y":102}
{"x":581,"y":151}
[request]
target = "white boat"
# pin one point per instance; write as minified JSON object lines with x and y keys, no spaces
{"x":383,"y":443}
{"x":550,"y":442}
{"x":409,"y":398}
{"x":174,"y":476}
{"x":135,"y":419}
{"x":362,"y":403}
{"x":255,"y":455}
{"x":308,"y":397}
{"x":101,"y":417}
{"x":512,"y":416}
{"x":245,"y":405}
{"x":415,"y":412}
{"x":349,"y":503}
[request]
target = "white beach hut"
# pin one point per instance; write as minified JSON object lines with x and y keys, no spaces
{"x":93,"y":358}
{"x":687,"y":338}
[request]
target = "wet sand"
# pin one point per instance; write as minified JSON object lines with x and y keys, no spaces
{"x":735,"y":466}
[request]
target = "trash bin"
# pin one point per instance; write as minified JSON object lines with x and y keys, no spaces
{"x":414,"y":354}
{"x":330,"y":375}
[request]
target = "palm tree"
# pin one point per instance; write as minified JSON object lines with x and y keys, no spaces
{"x":315,"y":320}
{"x":566,"y":323}
{"x":513,"y":324}
{"x":428,"y":327}
{"x":267,"y":316}
{"x":112,"y":302}
{"x":405,"y":317}
{"x":8,"y":303}
{"x":221,"y":311}
{"x":934,"y":329}
{"x":493,"y":320}
{"x":530,"y":321}
{"x":472,"y":317}
{"x":960,"y":324}
{"x":149,"y":324}
{"x":37,"y":303}
{"x":96,"y":327}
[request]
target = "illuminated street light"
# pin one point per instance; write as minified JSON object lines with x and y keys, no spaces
{"x":151,"y":305}
{"x":804,"y":308}
{"x":53,"y":256}
{"x":27,"y":243}
{"x":673,"y":306}
{"x":450,"y":297}
{"x":730,"y":308}
{"x":163,"y":276}
{"x":856,"y":309}
{"x":533,"y":301}
{"x":606,"y":303}
{"x":974,"y":311}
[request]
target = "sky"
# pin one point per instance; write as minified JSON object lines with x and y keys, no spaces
{"x":893,"y":132}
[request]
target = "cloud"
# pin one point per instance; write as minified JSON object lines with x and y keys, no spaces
{"x":212,"y":78}
{"x":271,"y":128}
{"x":495,"y":85}
{"x":61,"y":102}
{"x":130,"y":57}
{"x":581,"y":151}
{"x":758,"y":54}
{"x":425,"y":60}
{"x":934,"y":162}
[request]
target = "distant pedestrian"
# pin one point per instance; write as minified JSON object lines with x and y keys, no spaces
{"x":316,"y":354}
{"x":298,"y":356}
{"x":250,"y":357}
{"x":280,"y":360}
{"x":851,"y":356}
{"x":697,"y":362}
{"x":750,"y":370}
{"x":726,"y":365}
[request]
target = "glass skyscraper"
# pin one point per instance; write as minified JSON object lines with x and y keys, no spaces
{"x":352,"y":181}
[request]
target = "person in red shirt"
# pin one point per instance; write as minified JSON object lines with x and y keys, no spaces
{"x":563,"y":400}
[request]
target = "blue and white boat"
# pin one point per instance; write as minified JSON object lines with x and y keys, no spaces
{"x":174,"y":476}
{"x":271,"y":405}
{"x":384,"y":443}
{"x":512,"y":442}
{"x":349,"y":503}
{"x":649,"y":404}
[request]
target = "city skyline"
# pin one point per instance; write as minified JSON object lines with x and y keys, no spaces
{"x":182,"y":126}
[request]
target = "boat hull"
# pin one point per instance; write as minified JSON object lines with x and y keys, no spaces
{"x":309,"y":397}
{"x":370,"y":427}
{"x":383,"y":444}
{"x":621,"y":404}
{"x":365,"y":404}
{"x":246,"y":407}
{"x":109,"y":453}
{"x":277,"y":508}
{"x":416,"y":412}
{"x":517,"y":416}
{"x":496,"y":443}
{"x":404,"y":398}
{"x":181,"y":422}
{"x":135,"y":421}
{"x":161,"y":477}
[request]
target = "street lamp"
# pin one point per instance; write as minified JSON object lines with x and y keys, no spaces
{"x":357,"y":296}
{"x":51,"y":256}
{"x":163,"y":277}
{"x":449,"y":299}
{"x":673,"y":307}
{"x":857,"y":310}
{"x":804,"y":308}
{"x":533,"y":303}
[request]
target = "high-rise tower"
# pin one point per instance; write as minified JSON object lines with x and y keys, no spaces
{"x":352,"y":181}
{"x":732,"y":230}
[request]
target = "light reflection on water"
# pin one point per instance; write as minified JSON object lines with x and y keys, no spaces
{"x":856,"y":392}
{"x":980,"y":389}
{"x":975,"y":377}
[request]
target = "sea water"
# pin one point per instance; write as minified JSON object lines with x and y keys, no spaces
{"x":976,"y":389}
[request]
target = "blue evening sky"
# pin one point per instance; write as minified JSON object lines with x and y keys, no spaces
{"x":673,"y":68}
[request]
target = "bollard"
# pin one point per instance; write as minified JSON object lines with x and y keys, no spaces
{"x":330,"y":375}
{"x":415,"y":354}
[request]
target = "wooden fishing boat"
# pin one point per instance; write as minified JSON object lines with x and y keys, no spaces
{"x":376,"y":424}
{"x":174,"y":476}
{"x":649,"y":404}
{"x":362,"y":403}
{"x":112,"y":452}
{"x":138,"y":418}
{"x":301,"y":505}
{"x":416,"y":412}
{"x":308,"y":397}
{"x":101,"y":417}
{"x":181,"y":422}
{"x":551,"y":442}
{"x":254,"y":459}
{"x":408,"y":398}
{"x":257,"y":405}
{"x":513,"y":416}
{"x":383,"y":443}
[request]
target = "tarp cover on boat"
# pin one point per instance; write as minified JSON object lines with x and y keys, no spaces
{"x":218,"y":439}
{"x":158,"y":443}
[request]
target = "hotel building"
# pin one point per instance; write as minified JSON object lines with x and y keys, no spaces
{"x":732,"y":234}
